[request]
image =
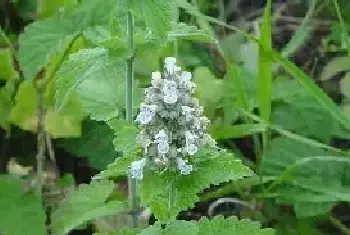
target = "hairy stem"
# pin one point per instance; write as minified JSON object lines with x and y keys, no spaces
{"x":129,"y":111}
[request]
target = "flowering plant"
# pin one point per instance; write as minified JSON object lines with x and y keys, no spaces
{"x":172,"y":128}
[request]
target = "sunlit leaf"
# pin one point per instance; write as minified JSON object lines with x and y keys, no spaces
{"x":86,"y":203}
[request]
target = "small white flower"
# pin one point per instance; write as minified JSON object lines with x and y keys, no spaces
{"x":191,"y":149}
{"x":189,"y":136}
{"x":186,"y":110}
{"x":136,"y":170}
{"x":170,"y":63}
{"x":146,"y":114}
{"x":170,"y":99}
{"x":156,"y":79}
{"x":183,"y":167}
{"x":161,"y":137}
{"x":163,"y":147}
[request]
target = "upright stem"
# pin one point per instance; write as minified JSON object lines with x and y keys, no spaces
{"x":40,"y":139}
{"x":129,"y":111}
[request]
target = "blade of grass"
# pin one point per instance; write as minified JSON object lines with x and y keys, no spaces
{"x":301,"y":34}
{"x":298,"y":74}
{"x":344,"y":30}
{"x":237,"y":131}
{"x":312,"y":88}
{"x":265,"y":70}
{"x":294,"y":136}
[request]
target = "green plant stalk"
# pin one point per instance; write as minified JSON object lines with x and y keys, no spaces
{"x":40,"y":138}
{"x":129,"y":111}
{"x":342,"y":25}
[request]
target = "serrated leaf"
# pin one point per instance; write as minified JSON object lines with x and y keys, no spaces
{"x":95,"y":144}
{"x":220,"y":226}
{"x":120,"y":166}
{"x":21,"y":213}
{"x":216,"y":226}
{"x":83,"y":205}
{"x":24,"y":114}
{"x":98,"y":80}
{"x":169,"y":193}
{"x":5,"y":107}
{"x":7,"y":68}
{"x":189,"y":32}
{"x":41,"y":40}
{"x":126,"y":135}
{"x":157,"y":14}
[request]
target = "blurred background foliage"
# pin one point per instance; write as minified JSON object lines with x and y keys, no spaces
{"x":76,"y":49}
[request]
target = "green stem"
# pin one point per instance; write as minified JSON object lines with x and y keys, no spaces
{"x":129,"y":110}
{"x":342,"y":25}
{"x":40,"y":138}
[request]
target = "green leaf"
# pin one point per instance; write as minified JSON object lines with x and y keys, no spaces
{"x":46,"y":8}
{"x":121,"y":232}
{"x":157,"y":14}
{"x":41,"y":40}
{"x":120,"y":166}
{"x":313,"y":89}
{"x":216,"y":226}
{"x":95,"y":144}
{"x":189,"y":32}
{"x":21,"y":213}
{"x":24,"y":114}
{"x":98,"y":80}
{"x":306,"y":174}
{"x":5,"y":107}
{"x":126,"y":135}
{"x":336,"y":65}
{"x":301,"y":113}
{"x":309,"y":209}
{"x":209,"y":89}
{"x":7,"y":67}
{"x":237,"y":131}
{"x":220,"y":226}
{"x":169,"y":193}
{"x":345,"y":85}
{"x":265,"y":70}
{"x":86,"y":203}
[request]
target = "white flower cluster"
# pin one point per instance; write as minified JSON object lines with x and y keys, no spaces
{"x":171,"y":123}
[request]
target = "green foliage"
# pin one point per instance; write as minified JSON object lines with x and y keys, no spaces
{"x":7,"y":69}
{"x":43,"y":39}
{"x":216,"y":226}
{"x":95,"y":144}
{"x":120,"y":166}
{"x":24,"y":114}
{"x":157,"y":14}
{"x":126,"y":134}
{"x":189,"y":32}
{"x":309,"y":177}
{"x":265,"y":70}
{"x":168,"y":193}
{"x":98,"y":80}
{"x":5,"y":107}
{"x":86,"y":203}
{"x":21,"y":212}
